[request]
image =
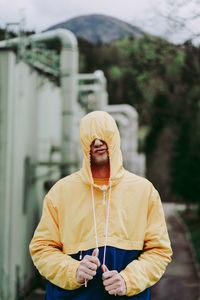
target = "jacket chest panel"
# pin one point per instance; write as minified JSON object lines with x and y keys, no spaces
{"x":127,"y":214}
{"x":77,"y":219}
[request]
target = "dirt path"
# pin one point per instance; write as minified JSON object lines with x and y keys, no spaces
{"x":180,"y":281}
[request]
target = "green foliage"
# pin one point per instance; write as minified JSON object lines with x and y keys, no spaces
{"x":161,"y":81}
{"x":192,"y":220}
{"x":115,"y":72}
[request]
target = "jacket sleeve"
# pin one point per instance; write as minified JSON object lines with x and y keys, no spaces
{"x":151,"y":264}
{"x":46,"y":251}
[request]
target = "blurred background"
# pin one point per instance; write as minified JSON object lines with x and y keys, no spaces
{"x":137,"y":60}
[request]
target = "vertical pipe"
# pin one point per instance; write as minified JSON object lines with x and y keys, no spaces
{"x":69,"y":68}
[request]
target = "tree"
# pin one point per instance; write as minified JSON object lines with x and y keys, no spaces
{"x":180,"y":19}
{"x":160,"y":80}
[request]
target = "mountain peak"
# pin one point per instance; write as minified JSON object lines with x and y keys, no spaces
{"x":99,"y":28}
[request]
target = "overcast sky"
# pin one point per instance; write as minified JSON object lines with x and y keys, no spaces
{"x":41,"y":14}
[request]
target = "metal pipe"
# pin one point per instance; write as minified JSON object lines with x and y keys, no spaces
{"x":98,"y":87}
{"x":129,"y":112}
{"x":65,"y":37}
{"x":126,"y":109}
{"x":136,"y":161}
{"x":129,"y":132}
{"x":69,"y":70}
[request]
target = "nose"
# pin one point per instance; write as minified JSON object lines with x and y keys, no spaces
{"x":98,"y":143}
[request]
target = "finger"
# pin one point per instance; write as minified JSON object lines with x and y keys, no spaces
{"x":104,"y":268}
{"x":87,"y":277}
{"x":89,"y":271}
{"x":109,"y":281}
{"x":111,"y":287}
{"x":94,"y":260}
{"x":89,"y":265}
{"x":84,"y":276}
{"x":109,"y":274}
{"x":91,"y":258}
{"x":95,"y":252}
{"x":114,"y":292}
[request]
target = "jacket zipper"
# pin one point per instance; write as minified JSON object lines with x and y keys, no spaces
{"x":104,"y":188}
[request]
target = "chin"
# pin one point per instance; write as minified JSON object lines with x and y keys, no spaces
{"x":102,"y":160}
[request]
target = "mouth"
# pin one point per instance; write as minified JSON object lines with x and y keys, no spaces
{"x":101,"y":151}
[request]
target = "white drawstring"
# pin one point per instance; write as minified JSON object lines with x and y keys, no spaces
{"x":104,"y":188}
{"x":95,"y":224}
{"x":106,"y":225}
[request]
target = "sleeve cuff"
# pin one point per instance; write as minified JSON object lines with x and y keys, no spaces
{"x":127,"y":282}
{"x":72,"y":269}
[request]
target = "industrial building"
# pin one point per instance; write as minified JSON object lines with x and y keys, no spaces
{"x":42,"y":99}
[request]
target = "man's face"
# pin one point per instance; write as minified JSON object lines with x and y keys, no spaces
{"x":99,"y":153}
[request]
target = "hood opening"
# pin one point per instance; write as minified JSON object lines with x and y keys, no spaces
{"x":99,"y":160}
{"x":100,"y":125}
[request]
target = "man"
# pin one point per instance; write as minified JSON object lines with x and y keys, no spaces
{"x":102,"y":233}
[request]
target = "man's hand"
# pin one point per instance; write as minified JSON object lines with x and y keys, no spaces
{"x":113,"y":282}
{"x":88,"y":266}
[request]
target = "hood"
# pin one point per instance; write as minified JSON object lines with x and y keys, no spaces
{"x":101,"y":125}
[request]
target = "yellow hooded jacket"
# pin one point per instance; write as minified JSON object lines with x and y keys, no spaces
{"x":136,"y":220}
